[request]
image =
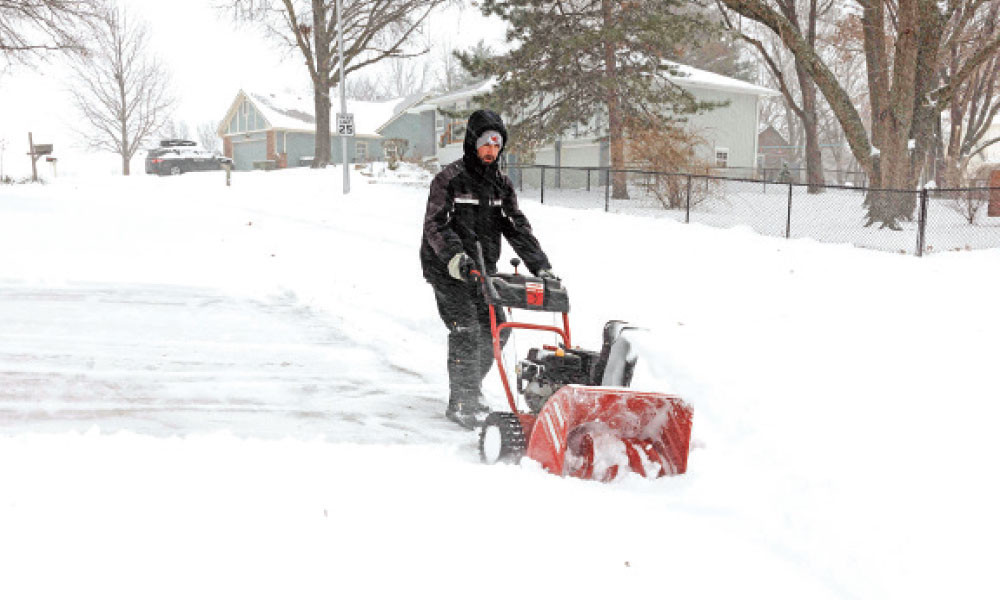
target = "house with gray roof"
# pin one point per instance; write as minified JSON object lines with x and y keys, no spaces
{"x":730,"y":131}
{"x":278,"y":130}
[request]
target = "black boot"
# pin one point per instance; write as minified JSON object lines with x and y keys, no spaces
{"x":470,"y":413}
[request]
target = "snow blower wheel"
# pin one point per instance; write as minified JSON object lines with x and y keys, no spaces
{"x":501,"y":439}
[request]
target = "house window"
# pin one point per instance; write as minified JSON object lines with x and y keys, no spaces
{"x":458,"y":131}
{"x":722,"y":157}
{"x":361,"y":152}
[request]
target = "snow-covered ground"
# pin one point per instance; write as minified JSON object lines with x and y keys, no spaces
{"x":837,"y":215}
{"x":212,"y":392}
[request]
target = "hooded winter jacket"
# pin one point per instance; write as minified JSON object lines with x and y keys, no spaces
{"x":470,"y":201}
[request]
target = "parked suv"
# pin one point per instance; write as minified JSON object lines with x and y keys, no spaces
{"x":174,"y":157}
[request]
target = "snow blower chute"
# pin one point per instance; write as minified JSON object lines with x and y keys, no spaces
{"x":582,"y":419}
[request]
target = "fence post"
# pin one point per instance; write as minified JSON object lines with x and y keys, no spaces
{"x":607,"y":191}
{"x":788,"y":217}
{"x":588,"y":179}
{"x":922,"y":223}
{"x":687,"y":202}
{"x":543,"y":184}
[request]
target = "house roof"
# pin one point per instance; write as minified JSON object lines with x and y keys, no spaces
{"x":431,"y":101}
{"x":700,"y":78}
{"x":294,"y":111}
{"x":404,"y":106}
{"x":771,"y":137}
{"x":686,"y":77}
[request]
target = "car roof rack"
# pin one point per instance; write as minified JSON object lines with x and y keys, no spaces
{"x":176,"y":142}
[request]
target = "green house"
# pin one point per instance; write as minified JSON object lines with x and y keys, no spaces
{"x":278,"y":130}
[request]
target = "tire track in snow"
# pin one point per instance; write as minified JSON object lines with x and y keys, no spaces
{"x":175,"y":360}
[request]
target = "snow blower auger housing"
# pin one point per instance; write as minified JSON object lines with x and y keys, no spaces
{"x":582,"y":419}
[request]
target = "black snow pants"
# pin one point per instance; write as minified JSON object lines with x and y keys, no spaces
{"x":470,"y":344}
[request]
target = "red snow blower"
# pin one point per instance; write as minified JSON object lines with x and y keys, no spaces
{"x":582,"y":419}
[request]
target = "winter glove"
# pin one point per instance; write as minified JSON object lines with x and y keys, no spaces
{"x":460,"y":265}
{"x":548,"y":274}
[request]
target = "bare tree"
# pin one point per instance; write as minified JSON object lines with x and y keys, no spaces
{"x":32,"y":28}
{"x":450,"y":74}
{"x":208,"y":135}
{"x":975,"y":105}
{"x":406,"y":76}
{"x":903,"y":46}
{"x":365,"y":87}
{"x":401,"y":77}
{"x":800,"y":98}
{"x":174,"y":129}
{"x":374,"y":30}
{"x":120,"y":91}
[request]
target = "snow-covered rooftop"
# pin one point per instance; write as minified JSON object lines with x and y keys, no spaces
{"x":292,"y":110}
{"x":687,"y":76}
{"x":431,"y":102}
{"x":700,"y":78}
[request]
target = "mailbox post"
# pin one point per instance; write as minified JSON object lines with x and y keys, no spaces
{"x":36,"y":151}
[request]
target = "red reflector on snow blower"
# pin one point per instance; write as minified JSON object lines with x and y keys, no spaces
{"x":598,"y":433}
{"x":535,"y":292}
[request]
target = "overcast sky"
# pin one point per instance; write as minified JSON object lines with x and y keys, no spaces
{"x":210,"y":59}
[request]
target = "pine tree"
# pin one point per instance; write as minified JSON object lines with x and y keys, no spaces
{"x":574,"y":60}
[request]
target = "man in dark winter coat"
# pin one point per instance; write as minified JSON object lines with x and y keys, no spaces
{"x":471,"y":200}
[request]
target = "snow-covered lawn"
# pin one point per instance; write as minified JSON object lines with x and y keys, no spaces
{"x":212,"y":392}
{"x":837,"y":215}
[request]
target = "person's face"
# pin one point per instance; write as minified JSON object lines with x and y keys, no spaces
{"x":488,"y":153}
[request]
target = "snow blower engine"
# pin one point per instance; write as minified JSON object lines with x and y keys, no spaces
{"x":582,"y":419}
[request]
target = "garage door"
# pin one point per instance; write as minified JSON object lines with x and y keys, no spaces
{"x":246,"y":153}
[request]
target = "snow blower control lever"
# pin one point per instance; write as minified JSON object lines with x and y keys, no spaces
{"x":590,"y":424}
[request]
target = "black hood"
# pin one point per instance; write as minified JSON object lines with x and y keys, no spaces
{"x":480,"y":121}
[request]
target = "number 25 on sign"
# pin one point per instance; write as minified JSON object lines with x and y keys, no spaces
{"x":345,"y":124}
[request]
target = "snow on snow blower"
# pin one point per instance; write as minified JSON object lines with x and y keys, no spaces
{"x":582,"y":419}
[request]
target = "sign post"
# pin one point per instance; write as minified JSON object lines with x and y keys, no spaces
{"x":343,"y":99}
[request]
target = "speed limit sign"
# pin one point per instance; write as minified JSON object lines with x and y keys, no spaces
{"x":345,"y":124}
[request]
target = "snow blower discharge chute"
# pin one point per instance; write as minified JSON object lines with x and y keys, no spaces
{"x":582,"y":419}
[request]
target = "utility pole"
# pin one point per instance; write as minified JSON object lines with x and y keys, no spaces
{"x":343,"y":98}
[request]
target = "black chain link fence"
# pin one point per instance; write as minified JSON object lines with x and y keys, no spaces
{"x":933,"y":220}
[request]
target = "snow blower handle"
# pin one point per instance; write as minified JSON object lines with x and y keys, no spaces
{"x":481,"y":275}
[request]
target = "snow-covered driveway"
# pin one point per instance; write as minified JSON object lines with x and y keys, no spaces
{"x":211,"y":392}
{"x":175,"y":360}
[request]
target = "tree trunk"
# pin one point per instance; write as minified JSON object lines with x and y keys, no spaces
{"x":809,"y":116}
{"x":810,"y":126}
{"x":321,"y":84}
{"x":123,"y":116}
{"x":321,"y":94}
{"x":616,"y":137}
{"x":892,"y":112}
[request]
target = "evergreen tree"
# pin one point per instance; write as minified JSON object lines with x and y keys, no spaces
{"x":574,"y":60}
